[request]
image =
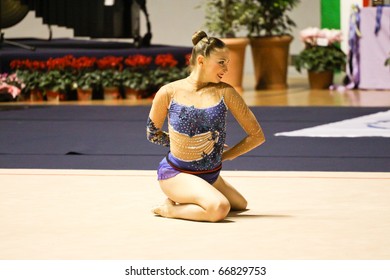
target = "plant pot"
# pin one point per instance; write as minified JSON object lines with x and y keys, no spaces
{"x":84,"y":94}
{"x":237,"y":48}
{"x":270,"y":61}
{"x":320,"y":80}
{"x":36,"y":95}
{"x":112,"y":93}
{"x":52,"y":96}
{"x":133,"y":94}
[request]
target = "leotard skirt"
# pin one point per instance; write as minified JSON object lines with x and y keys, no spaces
{"x":170,"y":166}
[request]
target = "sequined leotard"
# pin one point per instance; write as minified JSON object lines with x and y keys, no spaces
{"x":196,"y":136}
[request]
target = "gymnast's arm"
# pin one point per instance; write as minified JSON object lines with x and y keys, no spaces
{"x":248,"y":122}
{"x":157,"y":116}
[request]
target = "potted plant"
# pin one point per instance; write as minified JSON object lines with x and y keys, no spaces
{"x":141,"y":78}
{"x":10,"y":87}
{"x":29,"y":73}
{"x":321,"y":56}
{"x":167,"y":70}
{"x":87,"y":79}
{"x":110,"y":68}
{"x":223,"y":19}
{"x":136,"y":75}
{"x":269,"y":28}
{"x":31,"y":79}
{"x":58,"y":79}
{"x":86,"y":83}
{"x":55,"y":84}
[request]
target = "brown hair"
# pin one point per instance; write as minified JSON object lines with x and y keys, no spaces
{"x":204,"y":45}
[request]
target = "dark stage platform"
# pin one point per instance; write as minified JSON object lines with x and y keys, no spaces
{"x":114,"y":137}
{"x":77,"y":47}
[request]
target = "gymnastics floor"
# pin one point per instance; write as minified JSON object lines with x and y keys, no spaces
{"x":65,"y":214}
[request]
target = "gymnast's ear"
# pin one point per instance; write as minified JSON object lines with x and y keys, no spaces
{"x":200,"y":59}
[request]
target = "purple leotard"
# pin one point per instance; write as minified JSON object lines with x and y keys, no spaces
{"x":191,"y":121}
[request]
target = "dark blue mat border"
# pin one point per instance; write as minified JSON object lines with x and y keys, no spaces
{"x":88,"y":147}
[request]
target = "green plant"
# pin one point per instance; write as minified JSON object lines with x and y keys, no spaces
{"x":88,"y":80}
{"x":166,"y":70}
{"x":387,"y":62}
{"x":85,"y":74}
{"x":56,"y":80}
{"x":137,"y":73}
{"x":140,"y":74}
{"x":136,"y":80}
{"x":31,"y":79}
{"x":223,"y":17}
{"x":67,"y":73}
{"x":268,"y":17}
{"x":319,"y":58}
{"x":110,"y":78}
{"x":110,"y":70}
{"x":321,"y":52}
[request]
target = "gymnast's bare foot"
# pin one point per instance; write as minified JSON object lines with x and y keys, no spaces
{"x":164,"y":209}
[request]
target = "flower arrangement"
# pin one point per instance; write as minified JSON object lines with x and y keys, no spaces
{"x":321,"y":52}
{"x":166,"y":69}
{"x":109,"y":68}
{"x":58,"y":74}
{"x":11,"y":86}
{"x":67,"y":73}
{"x":86,"y":78}
{"x":145,"y":74}
{"x":54,"y":75}
{"x":136,"y":75}
{"x":28,"y":71}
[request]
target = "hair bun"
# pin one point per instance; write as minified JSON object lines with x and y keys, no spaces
{"x":199,"y":35}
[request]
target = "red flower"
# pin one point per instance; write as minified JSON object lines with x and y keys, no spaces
{"x":16,"y":64}
{"x":110,"y":62}
{"x":165,"y":60}
{"x":138,"y":60}
{"x":27,"y":64}
{"x":60,"y":63}
{"x":188,"y":58}
{"x":37,"y":65}
{"x":84,"y":62}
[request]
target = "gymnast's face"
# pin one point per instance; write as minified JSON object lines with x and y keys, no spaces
{"x":216,"y":65}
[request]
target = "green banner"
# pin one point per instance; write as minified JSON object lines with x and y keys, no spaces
{"x":330,"y":14}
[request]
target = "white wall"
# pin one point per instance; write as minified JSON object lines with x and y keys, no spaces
{"x":173,"y":23}
{"x":32,"y":27}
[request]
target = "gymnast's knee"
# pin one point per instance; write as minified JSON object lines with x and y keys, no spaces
{"x":218,"y":210}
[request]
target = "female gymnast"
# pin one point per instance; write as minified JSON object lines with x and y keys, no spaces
{"x":197,"y":108}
